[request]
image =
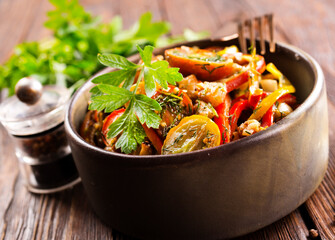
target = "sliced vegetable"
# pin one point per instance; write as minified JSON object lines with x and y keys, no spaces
{"x":236,"y":81}
{"x":282,"y":110}
{"x":192,"y":133}
{"x":205,"y":65}
{"x":268,"y":118}
{"x":90,"y":129}
{"x":239,"y":98}
{"x":154,"y":138}
{"x":288,"y":99}
{"x":240,"y":78}
{"x":222,"y":121}
{"x":235,"y":113}
{"x":267,"y":102}
{"x":269,"y":85}
{"x":108,"y":121}
{"x":255,"y":99}
{"x":255,"y":92}
{"x":282,"y":80}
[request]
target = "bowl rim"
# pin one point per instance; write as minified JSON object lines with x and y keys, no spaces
{"x":240,"y":143}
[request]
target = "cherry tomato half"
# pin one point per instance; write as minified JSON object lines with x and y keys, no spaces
{"x":192,"y":133}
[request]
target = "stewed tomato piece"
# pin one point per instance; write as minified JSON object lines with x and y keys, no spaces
{"x":192,"y":133}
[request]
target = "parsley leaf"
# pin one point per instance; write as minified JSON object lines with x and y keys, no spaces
{"x":112,"y":98}
{"x":116,"y":61}
{"x":141,"y":109}
{"x":132,"y":131}
{"x":158,"y":71}
{"x":117,"y":77}
{"x":145,"y":108}
{"x":146,"y":54}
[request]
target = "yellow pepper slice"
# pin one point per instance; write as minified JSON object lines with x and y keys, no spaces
{"x":282,"y":80}
{"x":268,"y":101}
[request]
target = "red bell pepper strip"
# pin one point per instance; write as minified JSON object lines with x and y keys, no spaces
{"x":268,"y":117}
{"x":255,"y":99}
{"x":235,"y":113}
{"x":188,"y":103}
{"x":223,"y":119}
{"x":239,"y":98}
{"x":288,"y":99}
{"x":236,"y":81}
{"x":269,"y":100}
{"x":241,"y":78}
{"x":108,"y":121}
{"x":154,"y":138}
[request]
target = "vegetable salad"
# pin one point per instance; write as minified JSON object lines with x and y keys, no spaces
{"x":187,"y":100}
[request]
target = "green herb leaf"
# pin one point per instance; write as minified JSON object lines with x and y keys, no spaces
{"x":149,"y":82}
{"x":163,"y":74}
{"x":117,"y":77}
{"x":95,"y":92}
{"x":113,"y":98}
{"x":116,"y":61}
{"x":146,"y":54}
{"x":132,"y":133}
{"x":145,"y":108}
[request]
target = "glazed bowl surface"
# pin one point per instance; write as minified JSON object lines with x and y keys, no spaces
{"x":221,"y":192}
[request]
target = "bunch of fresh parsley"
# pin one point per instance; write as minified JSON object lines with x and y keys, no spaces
{"x":142,"y":109}
{"x":69,"y":58}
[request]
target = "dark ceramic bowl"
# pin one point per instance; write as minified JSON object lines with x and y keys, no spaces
{"x":220,"y":192}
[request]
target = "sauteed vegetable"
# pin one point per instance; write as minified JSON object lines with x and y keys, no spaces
{"x":194,"y":99}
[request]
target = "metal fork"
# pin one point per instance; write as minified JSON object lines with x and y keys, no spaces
{"x":259,"y":24}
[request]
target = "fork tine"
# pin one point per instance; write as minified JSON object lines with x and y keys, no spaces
{"x":241,"y":37}
{"x":260,"y":24}
{"x":271,"y":31}
{"x":250,"y":24}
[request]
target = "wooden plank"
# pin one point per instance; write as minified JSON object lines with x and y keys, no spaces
{"x":321,"y":206}
{"x":19,"y":16}
{"x":185,"y":14}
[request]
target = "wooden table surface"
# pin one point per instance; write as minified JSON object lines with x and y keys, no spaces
{"x":68,"y":215}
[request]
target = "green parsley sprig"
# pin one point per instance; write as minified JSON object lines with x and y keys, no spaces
{"x":113,"y":91}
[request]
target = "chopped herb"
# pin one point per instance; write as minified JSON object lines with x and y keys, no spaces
{"x":194,"y":132}
{"x":198,"y":106}
{"x":213,"y":110}
{"x":166,"y":149}
{"x":170,"y":102}
{"x":178,"y":138}
{"x":256,"y":109}
{"x":204,"y":67}
{"x":225,"y":133}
